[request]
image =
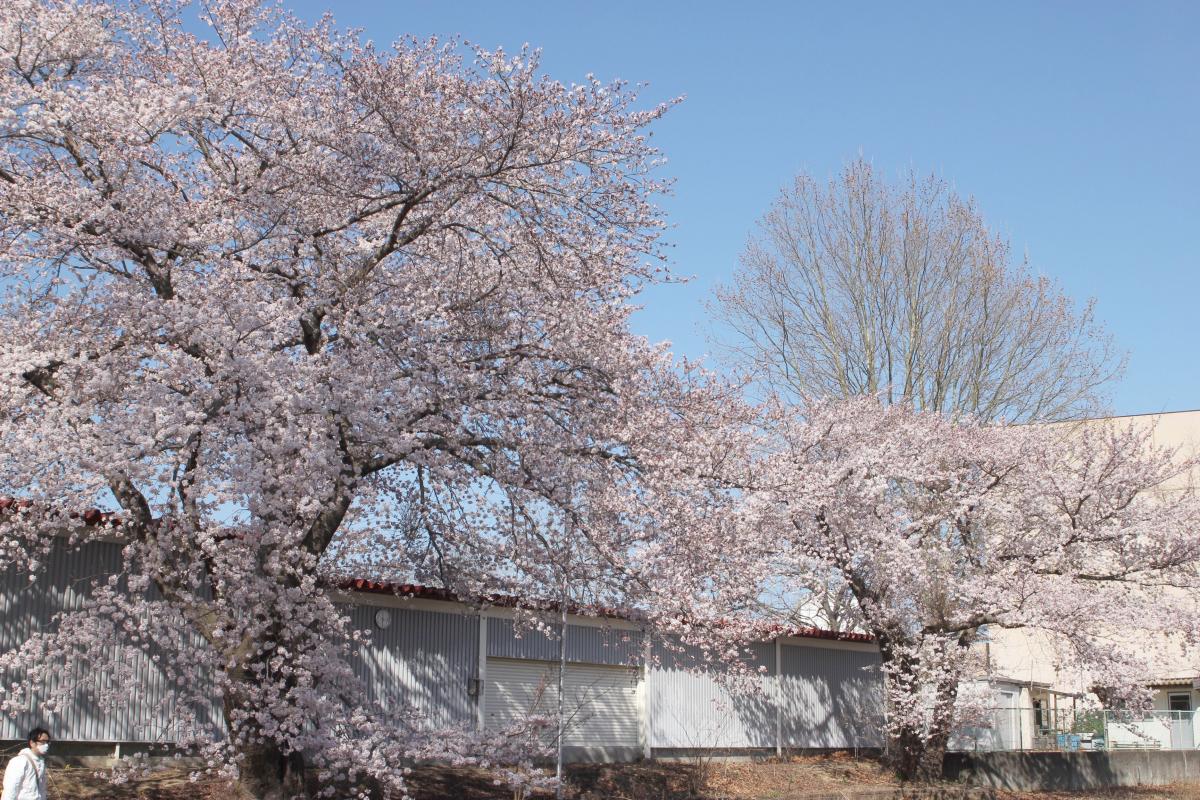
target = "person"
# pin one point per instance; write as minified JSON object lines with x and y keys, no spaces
{"x":25,"y":775}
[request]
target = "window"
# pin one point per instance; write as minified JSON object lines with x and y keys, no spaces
{"x":1179,"y":702}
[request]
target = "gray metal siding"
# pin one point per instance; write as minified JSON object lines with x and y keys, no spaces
{"x":29,"y":608}
{"x":585,"y":644}
{"x":689,"y":706}
{"x":831,"y":697}
{"x":600,"y":701}
{"x":423,"y":659}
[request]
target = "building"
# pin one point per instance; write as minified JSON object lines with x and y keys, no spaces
{"x":1032,"y":660}
{"x":628,"y":696}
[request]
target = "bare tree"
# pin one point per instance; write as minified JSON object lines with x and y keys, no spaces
{"x":823,"y":600}
{"x":861,"y":287}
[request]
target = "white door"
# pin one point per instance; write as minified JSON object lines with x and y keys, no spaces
{"x":601,"y":708}
{"x":1182,"y":736}
{"x":1007,"y":722}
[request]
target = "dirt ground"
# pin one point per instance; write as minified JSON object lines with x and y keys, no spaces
{"x":1174,"y":791}
{"x":796,"y":776}
{"x":799,"y":778}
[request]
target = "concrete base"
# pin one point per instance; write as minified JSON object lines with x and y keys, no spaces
{"x":72,"y":749}
{"x":1032,"y":772}
{"x":604,"y":755}
{"x":97,"y":755}
{"x":754,"y":753}
{"x":689,"y":754}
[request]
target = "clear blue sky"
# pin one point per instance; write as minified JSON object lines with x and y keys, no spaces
{"x":1074,"y":124}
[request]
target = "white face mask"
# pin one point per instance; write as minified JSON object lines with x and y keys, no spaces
{"x":41,"y":748}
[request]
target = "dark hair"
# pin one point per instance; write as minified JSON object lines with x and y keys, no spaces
{"x":36,"y":734}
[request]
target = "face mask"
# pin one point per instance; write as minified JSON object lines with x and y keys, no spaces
{"x":41,"y":748}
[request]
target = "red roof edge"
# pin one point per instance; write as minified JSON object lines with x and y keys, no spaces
{"x":503,"y":601}
{"x":90,"y":517}
{"x":822,"y":633}
{"x":405,"y":589}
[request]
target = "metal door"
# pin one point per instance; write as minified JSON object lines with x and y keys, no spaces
{"x":1008,"y":725}
{"x":1182,"y":735}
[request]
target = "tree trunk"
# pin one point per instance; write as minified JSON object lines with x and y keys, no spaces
{"x":918,"y":753}
{"x":916,"y":757}
{"x":906,"y":751}
{"x":268,"y":774}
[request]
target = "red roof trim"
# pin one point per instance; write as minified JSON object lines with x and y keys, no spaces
{"x":93,"y":516}
{"x":821,"y":633}
{"x":446,"y":595}
{"x":405,"y":589}
{"x":771,"y":631}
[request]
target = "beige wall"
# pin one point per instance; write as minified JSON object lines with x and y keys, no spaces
{"x":1032,"y":655}
{"x":1162,"y":697}
{"x":1179,"y":429}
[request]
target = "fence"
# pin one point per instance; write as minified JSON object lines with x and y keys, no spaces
{"x":1154,"y":730}
{"x":1048,"y":729}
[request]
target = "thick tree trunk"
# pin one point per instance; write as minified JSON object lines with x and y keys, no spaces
{"x":268,"y":774}
{"x":916,"y":757}
{"x":918,"y":753}
{"x":905,"y":752}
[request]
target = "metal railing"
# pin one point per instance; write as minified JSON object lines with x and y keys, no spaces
{"x":1025,"y":728}
{"x":1152,"y":730}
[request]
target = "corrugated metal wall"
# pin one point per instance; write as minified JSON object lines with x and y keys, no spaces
{"x":423,"y":658}
{"x":27,"y":608}
{"x":831,"y":697}
{"x":601,"y":702}
{"x":603,"y":706}
{"x":585,"y":644}
{"x":688,"y":706}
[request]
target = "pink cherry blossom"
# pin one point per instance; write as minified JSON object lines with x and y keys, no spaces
{"x":942,"y":528}
{"x":298,"y":307}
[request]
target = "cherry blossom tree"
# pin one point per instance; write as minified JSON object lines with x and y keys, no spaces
{"x":943,"y":527}
{"x":294,"y":306}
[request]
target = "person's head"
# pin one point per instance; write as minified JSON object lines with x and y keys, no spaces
{"x":39,"y":741}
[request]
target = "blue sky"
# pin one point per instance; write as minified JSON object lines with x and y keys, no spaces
{"x":1074,"y":124}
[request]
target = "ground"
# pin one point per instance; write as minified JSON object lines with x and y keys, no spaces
{"x":800,"y":778}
